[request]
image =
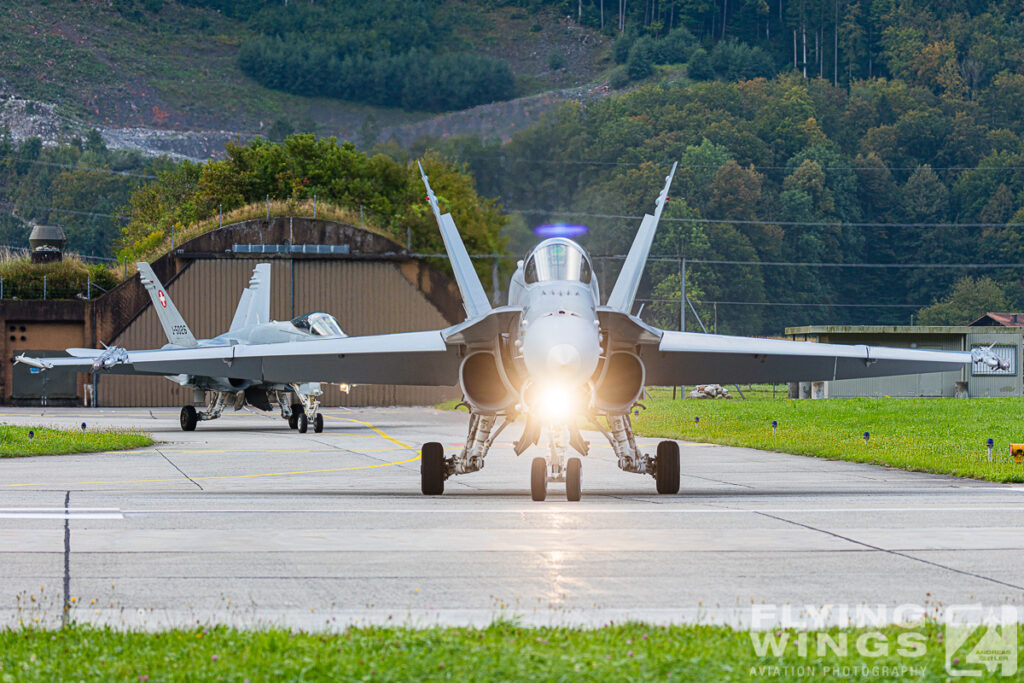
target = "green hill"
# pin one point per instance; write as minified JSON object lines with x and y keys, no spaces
{"x":176,"y":65}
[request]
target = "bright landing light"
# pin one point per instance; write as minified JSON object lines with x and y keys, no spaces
{"x":556,"y":403}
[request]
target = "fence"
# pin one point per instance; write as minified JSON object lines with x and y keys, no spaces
{"x":46,"y":288}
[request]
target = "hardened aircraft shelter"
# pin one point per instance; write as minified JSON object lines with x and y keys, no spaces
{"x":367,"y":281}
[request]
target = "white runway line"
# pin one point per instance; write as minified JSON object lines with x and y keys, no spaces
{"x":61,"y":513}
{"x":562,"y":510}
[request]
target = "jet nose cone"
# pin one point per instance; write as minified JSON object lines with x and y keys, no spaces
{"x":564,"y":359}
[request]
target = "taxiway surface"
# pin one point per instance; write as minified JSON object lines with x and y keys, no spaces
{"x":247,"y":522}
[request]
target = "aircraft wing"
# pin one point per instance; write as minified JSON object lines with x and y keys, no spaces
{"x":416,"y":358}
{"x":693,"y":358}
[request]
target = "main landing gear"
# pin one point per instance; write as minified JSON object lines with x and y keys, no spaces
{"x":664,"y":466}
{"x":215,"y":405}
{"x":189,"y":419}
{"x":435,"y":467}
{"x":301,"y":416}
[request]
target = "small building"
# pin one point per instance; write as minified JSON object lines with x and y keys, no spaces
{"x":977,"y":380}
{"x":47,"y":243}
{"x":999,"y":320}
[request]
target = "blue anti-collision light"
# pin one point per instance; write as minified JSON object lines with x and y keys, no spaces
{"x":560,"y":230}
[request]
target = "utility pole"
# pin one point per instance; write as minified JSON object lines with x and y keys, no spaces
{"x":682,"y":295}
{"x":682,"y":315}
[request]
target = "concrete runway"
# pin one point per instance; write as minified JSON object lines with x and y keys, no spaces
{"x":247,"y":522}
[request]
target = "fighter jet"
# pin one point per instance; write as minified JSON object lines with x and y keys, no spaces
{"x":554,"y":358}
{"x":299,"y":402}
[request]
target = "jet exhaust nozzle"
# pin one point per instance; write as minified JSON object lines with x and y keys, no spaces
{"x":620,"y":383}
{"x":485,"y":384}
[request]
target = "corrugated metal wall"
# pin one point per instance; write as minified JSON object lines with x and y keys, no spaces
{"x":932,"y":384}
{"x":367,"y":297}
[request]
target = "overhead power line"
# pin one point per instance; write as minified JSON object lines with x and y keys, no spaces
{"x":84,"y":168}
{"x":829,"y":224}
{"x":788,"y":303}
{"x":668,"y":164}
{"x":620,"y":257}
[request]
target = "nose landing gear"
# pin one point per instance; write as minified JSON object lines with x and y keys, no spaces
{"x":555,"y":468}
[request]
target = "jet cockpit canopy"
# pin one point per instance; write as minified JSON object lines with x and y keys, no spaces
{"x":319,"y":324}
{"x":557,"y":258}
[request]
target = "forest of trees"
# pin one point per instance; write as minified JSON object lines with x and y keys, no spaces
{"x":947,"y":46}
{"x":393,"y":53}
{"x":81,"y":186}
{"x":787,"y":170}
{"x":909,"y":152}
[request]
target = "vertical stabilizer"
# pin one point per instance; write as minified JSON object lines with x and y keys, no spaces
{"x":174,"y":325}
{"x":628,"y":282}
{"x":254,"y":304}
{"x":474,"y":298}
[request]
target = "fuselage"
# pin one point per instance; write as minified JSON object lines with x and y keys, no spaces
{"x":558,"y":337}
{"x":305,"y":327}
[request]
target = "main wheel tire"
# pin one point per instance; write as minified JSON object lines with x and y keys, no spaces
{"x":432,"y":469}
{"x":539,"y":479}
{"x":667,"y":467}
{"x":189,"y":419}
{"x":302,"y":424}
{"x":293,"y":420}
{"x":573,"y":486}
{"x":318,"y":423}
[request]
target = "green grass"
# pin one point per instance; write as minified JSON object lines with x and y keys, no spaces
{"x":945,"y":436}
{"x":15,"y":441}
{"x":502,"y":651}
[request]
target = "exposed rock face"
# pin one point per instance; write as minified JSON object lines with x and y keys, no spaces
{"x":27,"y":118}
{"x":709,"y":391}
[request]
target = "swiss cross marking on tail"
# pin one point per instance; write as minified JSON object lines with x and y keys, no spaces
{"x":163,"y":297}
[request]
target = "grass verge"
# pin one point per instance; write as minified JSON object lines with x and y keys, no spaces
{"x":502,"y":651}
{"x":944,"y":436}
{"x":15,"y":441}
{"x":293,"y":207}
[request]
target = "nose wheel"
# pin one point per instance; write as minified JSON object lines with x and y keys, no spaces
{"x":541,"y":473}
{"x":539,"y":479}
{"x":573,"y":486}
